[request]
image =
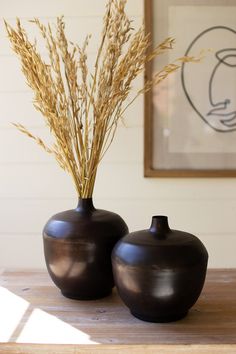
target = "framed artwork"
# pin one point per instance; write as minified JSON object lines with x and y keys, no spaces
{"x":190,"y":118}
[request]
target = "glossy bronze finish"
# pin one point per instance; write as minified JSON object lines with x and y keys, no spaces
{"x":77,"y":247}
{"x":159,"y":272}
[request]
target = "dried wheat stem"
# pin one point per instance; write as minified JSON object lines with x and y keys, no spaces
{"x":82,"y":109}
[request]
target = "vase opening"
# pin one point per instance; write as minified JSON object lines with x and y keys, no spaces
{"x":85,"y":205}
{"x":159,"y":224}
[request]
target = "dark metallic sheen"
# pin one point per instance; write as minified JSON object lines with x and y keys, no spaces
{"x":159,"y":272}
{"x":77,"y":247}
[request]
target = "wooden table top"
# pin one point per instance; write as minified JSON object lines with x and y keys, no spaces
{"x":36,"y":318}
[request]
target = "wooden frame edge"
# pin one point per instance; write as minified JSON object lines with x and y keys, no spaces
{"x":148,"y":112}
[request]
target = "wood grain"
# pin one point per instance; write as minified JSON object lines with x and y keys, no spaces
{"x":92,"y":324}
{"x":118,"y":349}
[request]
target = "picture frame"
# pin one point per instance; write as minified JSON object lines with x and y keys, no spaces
{"x":190,"y":118}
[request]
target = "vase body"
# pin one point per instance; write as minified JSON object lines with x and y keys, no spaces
{"x":159,"y":272}
{"x":77,"y":248}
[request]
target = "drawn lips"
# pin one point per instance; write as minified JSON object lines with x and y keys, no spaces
{"x":216,"y":102}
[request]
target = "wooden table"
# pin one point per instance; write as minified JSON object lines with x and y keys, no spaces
{"x":36,"y":318}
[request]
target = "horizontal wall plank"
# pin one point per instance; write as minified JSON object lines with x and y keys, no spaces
{"x":122,"y":181}
{"x":127,"y":181}
{"x":22,"y":251}
{"x":20,"y":180}
{"x":221,"y":250}
{"x":28,"y":216}
{"x":11,"y":76}
{"x":12,"y":79}
{"x":87,"y":8}
{"x":77,"y":28}
{"x":17,"y":107}
{"x":215,"y":218}
{"x":26,"y":151}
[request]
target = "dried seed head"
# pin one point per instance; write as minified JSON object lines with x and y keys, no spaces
{"x":82,"y":109}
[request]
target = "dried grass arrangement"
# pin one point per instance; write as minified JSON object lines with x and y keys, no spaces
{"x":82,"y":109}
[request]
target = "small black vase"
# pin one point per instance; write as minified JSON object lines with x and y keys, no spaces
{"x":159,"y":273}
{"x":77,"y":247}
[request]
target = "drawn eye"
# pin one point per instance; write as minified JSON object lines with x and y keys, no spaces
{"x":214,"y":105}
{"x":227,"y":56}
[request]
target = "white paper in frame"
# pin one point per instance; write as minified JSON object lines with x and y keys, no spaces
{"x":190,"y":118}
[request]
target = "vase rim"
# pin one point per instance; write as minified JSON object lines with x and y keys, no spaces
{"x":87,"y":198}
{"x":85,"y":205}
{"x":160,"y":217}
{"x":159,"y":224}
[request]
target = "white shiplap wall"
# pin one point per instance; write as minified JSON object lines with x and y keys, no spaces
{"x":32,"y":187}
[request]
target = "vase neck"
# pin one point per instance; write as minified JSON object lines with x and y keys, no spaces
{"x":160,"y":226}
{"x":85,"y":205}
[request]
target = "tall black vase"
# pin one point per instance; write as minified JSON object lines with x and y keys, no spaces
{"x":159,"y":272}
{"x":77,"y":247}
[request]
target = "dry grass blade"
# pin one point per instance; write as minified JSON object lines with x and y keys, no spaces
{"x":82,"y":109}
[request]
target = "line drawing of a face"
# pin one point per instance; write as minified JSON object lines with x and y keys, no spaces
{"x":219,"y":76}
